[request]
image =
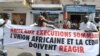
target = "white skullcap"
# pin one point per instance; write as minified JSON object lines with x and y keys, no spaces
{"x":1,"y":21}
{"x":86,"y":16}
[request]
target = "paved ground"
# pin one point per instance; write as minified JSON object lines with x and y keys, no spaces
{"x":18,"y":52}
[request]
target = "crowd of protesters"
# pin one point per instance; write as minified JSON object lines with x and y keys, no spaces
{"x":4,"y":22}
{"x":85,"y":25}
{"x":42,"y":21}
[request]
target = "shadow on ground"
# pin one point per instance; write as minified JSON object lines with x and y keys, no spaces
{"x":25,"y":54}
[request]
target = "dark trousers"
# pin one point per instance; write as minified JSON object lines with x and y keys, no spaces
{"x":39,"y":54}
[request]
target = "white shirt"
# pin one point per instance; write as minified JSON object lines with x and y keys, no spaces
{"x":1,"y":28}
{"x":97,"y":24}
{"x":87,"y":26}
{"x":2,"y":31}
{"x":8,"y":23}
{"x":33,"y":24}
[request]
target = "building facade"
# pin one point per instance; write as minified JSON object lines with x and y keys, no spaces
{"x":85,"y":2}
{"x":53,"y":8}
{"x":18,"y":9}
{"x":88,"y":5}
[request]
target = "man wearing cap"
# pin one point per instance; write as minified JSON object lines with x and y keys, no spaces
{"x":87,"y":26}
{"x":42,"y":22}
{"x":97,"y":22}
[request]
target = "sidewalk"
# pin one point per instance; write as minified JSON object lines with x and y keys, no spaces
{"x":18,"y":52}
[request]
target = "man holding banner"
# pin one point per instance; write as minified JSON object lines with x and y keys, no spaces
{"x":47,"y":41}
{"x":87,"y":26}
{"x":53,"y":42}
{"x":97,"y":23}
{"x":42,"y":22}
{"x":2,"y":51}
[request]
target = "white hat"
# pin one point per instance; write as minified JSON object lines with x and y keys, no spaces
{"x":1,"y":21}
{"x":86,"y":16}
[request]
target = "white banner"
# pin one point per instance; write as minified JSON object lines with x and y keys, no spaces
{"x":52,"y":41}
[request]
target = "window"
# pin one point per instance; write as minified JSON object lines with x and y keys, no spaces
{"x":19,"y":18}
{"x":53,"y":17}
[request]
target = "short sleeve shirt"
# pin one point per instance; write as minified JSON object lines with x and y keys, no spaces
{"x":87,"y":26}
{"x":97,"y":24}
{"x":1,"y":28}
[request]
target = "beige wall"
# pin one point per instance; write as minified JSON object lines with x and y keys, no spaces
{"x":9,"y":0}
{"x":55,"y":1}
{"x":88,"y":2}
{"x":46,"y":1}
{"x":42,"y":1}
{"x":97,"y":2}
{"x":81,"y":2}
{"x":64,"y":2}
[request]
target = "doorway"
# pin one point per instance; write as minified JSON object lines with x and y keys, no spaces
{"x":75,"y":18}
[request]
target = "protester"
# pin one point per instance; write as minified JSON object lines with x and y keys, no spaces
{"x":97,"y":22}
{"x":67,"y":24}
{"x":42,"y":22}
{"x":74,"y":25}
{"x":6,"y":18}
{"x":58,"y":24}
{"x":45,"y":15}
{"x":2,"y":50}
{"x":87,"y":26}
{"x":2,"y":23}
{"x":21,"y":22}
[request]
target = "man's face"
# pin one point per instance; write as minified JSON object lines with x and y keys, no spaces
{"x":96,"y":20}
{"x":41,"y":20}
{"x":85,"y":20}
